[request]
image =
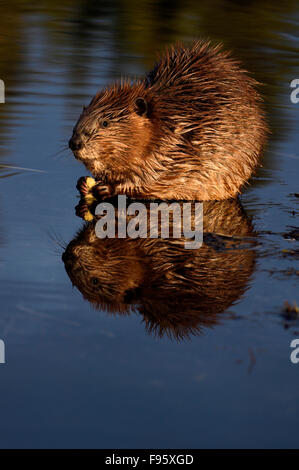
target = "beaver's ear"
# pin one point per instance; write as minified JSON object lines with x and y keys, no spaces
{"x":141,"y":106}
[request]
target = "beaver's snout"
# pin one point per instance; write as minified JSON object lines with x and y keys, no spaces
{"x":64,"y":257}
{"x":68,"y":259}
{"x":75,"y":143}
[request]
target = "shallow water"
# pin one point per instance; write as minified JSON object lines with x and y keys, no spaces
{"x":79,"y":377}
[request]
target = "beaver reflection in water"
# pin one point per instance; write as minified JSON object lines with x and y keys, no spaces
{"x":192,"y":129}
{"x":176,"y":291}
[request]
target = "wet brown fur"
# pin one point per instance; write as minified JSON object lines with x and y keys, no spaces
{"x":176,"y":291}
{"x":196,"y":132}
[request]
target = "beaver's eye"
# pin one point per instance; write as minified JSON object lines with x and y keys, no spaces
{"x":105,"y":123}
{"x":94,"y":281}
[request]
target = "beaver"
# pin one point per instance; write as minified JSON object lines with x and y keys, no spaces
{"x":177,"y":292}
{"x":192,"y":129}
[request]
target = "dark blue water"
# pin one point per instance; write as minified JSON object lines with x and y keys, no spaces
{"x":78,"y":377}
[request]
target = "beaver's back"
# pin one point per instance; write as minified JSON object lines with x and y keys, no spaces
{"x":215,"y":111}
{"x":201,"y":68}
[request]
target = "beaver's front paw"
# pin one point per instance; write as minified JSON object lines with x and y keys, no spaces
{"x":82,"y":210}
{"x":85,"y":185}
{"x":103,"y":191}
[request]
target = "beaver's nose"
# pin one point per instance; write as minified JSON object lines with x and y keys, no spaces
{"x":75,"y":143}
{"x":68,"y":260}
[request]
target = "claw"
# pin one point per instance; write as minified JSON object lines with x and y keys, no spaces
{"x":103,"y":191}
{"x":82,"y":211}
{"x":85,"y":184}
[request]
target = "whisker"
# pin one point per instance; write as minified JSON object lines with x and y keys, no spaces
{"x":12,"y":167}
{"x":57,"y":239}
{"x":59,"y":152}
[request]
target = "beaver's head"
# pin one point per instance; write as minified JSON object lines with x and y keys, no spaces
{"x":101,"y":271}
{"x":113,"y":128}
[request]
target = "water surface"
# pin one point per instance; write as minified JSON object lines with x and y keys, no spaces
{"x":79,"y":377}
